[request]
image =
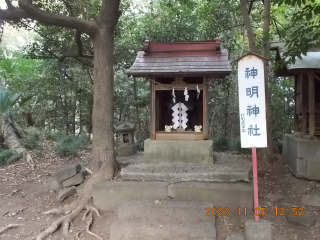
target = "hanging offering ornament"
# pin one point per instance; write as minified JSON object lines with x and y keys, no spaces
{"x":186,"y":96}
{"x":174,"y":96}
{"x":198,"y":92}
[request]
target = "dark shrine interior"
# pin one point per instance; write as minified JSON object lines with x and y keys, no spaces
{"x":164,"y":103}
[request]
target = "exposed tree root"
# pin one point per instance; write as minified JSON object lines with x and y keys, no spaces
{"x":9,"y":226}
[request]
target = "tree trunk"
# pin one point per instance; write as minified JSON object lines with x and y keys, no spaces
{"x":267,"y":152}
{"x":102,"y":116}
{"x":247,"y":22}
{"x":139,"y":134}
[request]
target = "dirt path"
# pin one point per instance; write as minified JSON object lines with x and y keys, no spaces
{"x":25,"y":194}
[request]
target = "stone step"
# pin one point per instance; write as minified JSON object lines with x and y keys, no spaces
{"x":235,"y":172}
{"x":165,"y":210}
{"x":158,"y":230}
{"x":108,"y":195}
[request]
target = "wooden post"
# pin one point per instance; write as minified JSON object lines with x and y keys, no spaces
{"x":205,"y":109}
{"x":311,"y":79}
{"x":304,"y":93}
{"x":152,"y":111}
{"x":296,"y":114}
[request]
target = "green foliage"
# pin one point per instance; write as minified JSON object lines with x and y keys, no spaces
{"x":7,"y":100}
{"x":236,"y":146}
{"x":32,"y":141}
{"x":70,"y":145}
{"x":221,"y":144}
{"x":6,"y":156}
{"x":54,"y":136}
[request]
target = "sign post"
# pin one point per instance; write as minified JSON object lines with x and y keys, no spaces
{"x":252,"y":111}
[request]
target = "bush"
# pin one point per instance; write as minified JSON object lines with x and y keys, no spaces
{"x":70,"y":145}
{"x":221,"y":144}
{"x":32,"y":141}
{"x":57,"y":136}
{"x":236,"y":146}
{"x":6,"y":156}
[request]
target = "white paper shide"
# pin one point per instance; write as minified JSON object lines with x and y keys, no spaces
{"x":252,"y":107}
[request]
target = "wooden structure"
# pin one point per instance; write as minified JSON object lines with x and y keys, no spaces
{"x":306,"y":72}
{"x":174,"y":69}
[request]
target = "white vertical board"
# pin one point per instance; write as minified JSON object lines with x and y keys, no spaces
{"x":252,"y":107}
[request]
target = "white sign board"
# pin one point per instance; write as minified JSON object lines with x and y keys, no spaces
{"x":252,"y":107}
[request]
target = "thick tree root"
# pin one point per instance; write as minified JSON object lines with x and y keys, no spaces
{"x":9,"y":226}
{"x":72,"y":213}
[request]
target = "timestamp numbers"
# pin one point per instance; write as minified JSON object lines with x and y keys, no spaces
{"x":284,"y":211}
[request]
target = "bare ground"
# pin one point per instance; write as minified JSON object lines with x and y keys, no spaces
{"x":25,"y":194}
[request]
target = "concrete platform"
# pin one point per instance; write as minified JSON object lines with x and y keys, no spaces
{"x":155,"y":230}
{"x":178,"y":151}
{"x":222,"y":171}
{"x":108,"y":195}
{"x":302,"y":156}
{"x":166,"y":211}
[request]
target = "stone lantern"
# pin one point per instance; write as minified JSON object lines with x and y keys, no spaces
{"x":126,"y":146}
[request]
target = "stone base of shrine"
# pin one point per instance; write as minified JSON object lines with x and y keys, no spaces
{"x":178,"y":151}
{"x":302,"y":156}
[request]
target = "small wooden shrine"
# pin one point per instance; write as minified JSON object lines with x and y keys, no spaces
{"x":301,"y":149}
{"x":306,"y":73}
{"x":179,"y":73}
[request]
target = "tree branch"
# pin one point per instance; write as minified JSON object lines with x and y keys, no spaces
{"x":79,"y":53}
{"x":9,"y":4}
{"x":27,"y":10}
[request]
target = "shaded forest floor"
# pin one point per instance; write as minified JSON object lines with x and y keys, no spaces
{"x":25,"y":194}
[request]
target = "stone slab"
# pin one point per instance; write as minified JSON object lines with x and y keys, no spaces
{"x":302,"y":156}
{"x":221,"y":195}
{"x":64,"y":193}
{"x":67,"y":172}
{"x":236,"y":236}
{"x":311,"y":199}
{"x":166,"y":211}
{"x":126,"y":150}
{"x":147,"y":230}
{"x":236,"y":172}
{"x":258,"y":230}
{"x":306,"y":220}
{"x":108,"y":195}
{"x":178,"y":151}
{"x":74,"y":181}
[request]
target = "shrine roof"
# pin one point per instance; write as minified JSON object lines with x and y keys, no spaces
{"x":309,"y":62}
{"x":181,"y":58}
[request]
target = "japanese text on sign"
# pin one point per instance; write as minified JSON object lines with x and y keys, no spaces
{"x":252,"y":102}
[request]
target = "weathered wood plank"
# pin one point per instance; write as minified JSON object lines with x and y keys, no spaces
{"x":152,"y":111}
{"x":304,"y":99}
{"x":311,"y":103}
{"x":179,"y":136}
{"x":205,"y":109}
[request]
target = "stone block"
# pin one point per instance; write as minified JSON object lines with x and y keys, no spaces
{"x":302,"y":156}
{"x":221,"y":195}
{"x":258,"y":230}
{"x":66,"y":173}
{"x":65,"y":193}
{"x":184,"y":173}
{"x":55,"y":186}
{"x":108,"y":195}
{"x":182,"y":151}
{"x":311,"y":199}
{"x":74,"y":181}
{"x":155,"y":230}
{"x":127,"y":150}
{"x":166,"y":211}
{"x":306,"y":220}
{"x":236,"y":236}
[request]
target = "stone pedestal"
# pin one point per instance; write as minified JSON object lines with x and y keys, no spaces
{"x":302,"y":156}
{"x":178,"y":151}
